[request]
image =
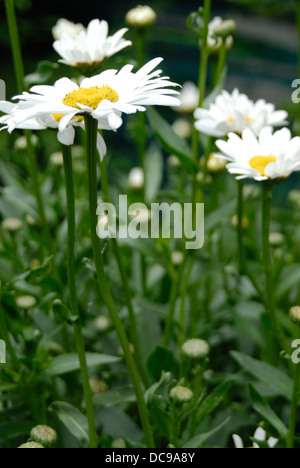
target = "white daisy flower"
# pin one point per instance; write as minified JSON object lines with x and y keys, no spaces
{"x":260,"y":435}
{"x":234,"y":113}
{"x":189,"y":98}
{"x":269,"y":157}
{"x":105,"y":97}
{"x":91,"y":46}
{"x":66,"y":135}
{"x":64,"y":26}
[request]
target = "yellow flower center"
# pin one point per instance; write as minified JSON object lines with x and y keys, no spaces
{"x":248,"y":120}
{"x":261,"y":162}
{"x":231,"y":120}
{"x":90,"y":97}
{"x":58,"y":117}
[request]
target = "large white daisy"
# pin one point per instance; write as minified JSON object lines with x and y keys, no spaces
{"x":234,"y":113}
{"x":269,"y":157}
{"x":105,"y":97}
{"x":66,"y":135}
{"x":91,"y":46}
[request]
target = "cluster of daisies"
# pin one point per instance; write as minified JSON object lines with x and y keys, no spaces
{"x":104,"y":97}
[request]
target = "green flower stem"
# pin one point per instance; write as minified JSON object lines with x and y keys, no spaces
{"x":4,"y":334}
{"x":297,"y":6}
{"x":19,"y":71}
{"x":123,"y":274}
{"x":294,"y":409}
{"x":267,"y":190}
{"x":221,"y":61}
{"x":183,"y":301}
{"x":68,"y":168}
{"x":240,"y":216}
{"x":92,"y":156}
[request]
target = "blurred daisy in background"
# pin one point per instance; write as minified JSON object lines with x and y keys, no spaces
{"x":91,"y":46}
{"x":189,"y":98}
{"x":260,"y":435}
{"x":236,"y":112}
{"x":269,"y":157}
{"x":64,"y":26}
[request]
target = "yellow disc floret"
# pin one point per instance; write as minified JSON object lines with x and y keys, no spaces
{"x":90,"y":97}
{"x":259,"y":163}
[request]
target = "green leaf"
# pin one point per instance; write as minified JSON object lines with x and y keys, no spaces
{"x":154,"y":167}
{"x":161,"y":360}
{"x":151,"y":392}
{"x":288,"y":281}
{"x":262,"y":407}
{"x":73,"y":420}
{"x":113,"y":399}
{"x":274,"y":378}
{"x":199,"y":440}
{"x":171,"y":142}
{"x":213,"y":400}
{"x":70,"y":362}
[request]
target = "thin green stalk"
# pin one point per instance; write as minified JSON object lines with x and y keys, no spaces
{"x":123,"y":274}
{"x":294,"y":409}
{"x":240,"y":216}
{"x":175,"y":288}
{"x":19,"y":71}
{"x":267,"y":190}
{"x":183,"y":301}
{"x":92,"y":156}
{"x":68,"y":168}
{"x":4,"y":334}
{"x":221,"y":61}
{"x":297,"y":6}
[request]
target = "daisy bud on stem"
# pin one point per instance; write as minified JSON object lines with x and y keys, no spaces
{"x":181,"y":395}
{"x":44,"y":435}
{"x":143,"y":16}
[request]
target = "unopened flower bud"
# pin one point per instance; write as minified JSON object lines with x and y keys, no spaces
{"x":142,"y":16}
{"x":295,"y":315}
{"x":21,"y":142}
{"x":294,"y":197}
{"x":183,"y":128}
{"x":174,"y":162}
{"x":235,"y":222}
{"x":98,"y":386}
{"x":276,"y":239}
{"x":118,"y":444}
{"x":181,"y":394}
{"x":63,"y":26}
{"x":56,"y":159}
{"x":225,"y":29}
{"x":12,"y":224}
{"x":44,"y":435}
{"x":136,"y":178}
{"x":30,"y":220}
{"x":215,"y":163}
{"x":196,"y":349}
{"x":102,"y":323}
{"x":177,"y":258}
{"x":31,"y":445}
{"x":26,"y":302}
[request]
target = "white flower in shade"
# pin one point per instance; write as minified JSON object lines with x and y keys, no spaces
{"x":269,"y":157}
{"x":142,"y":16}
{"x":91,"y":46}
{"x":260,"y":435}
{"x":214,"y":41}
{"x":189,"y":98}
{"x":136,"y":178}
{"x":234,"y":113}
{"x":104,"y":97}
{"x":64,"y":26}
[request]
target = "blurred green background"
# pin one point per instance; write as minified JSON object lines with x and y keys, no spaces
{"x":262,"y":62}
